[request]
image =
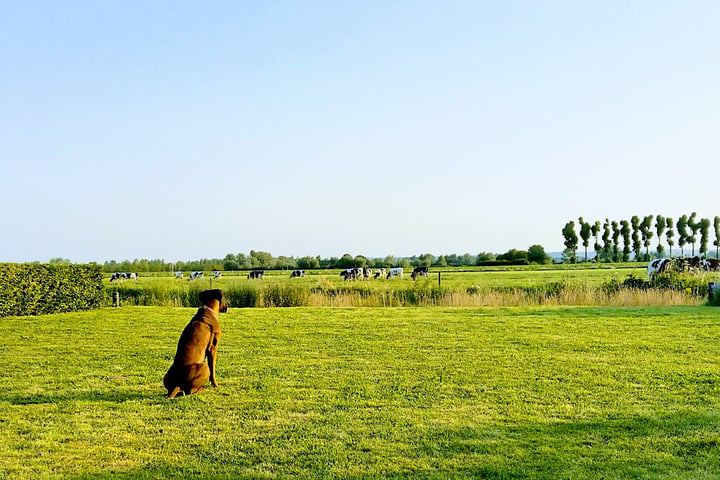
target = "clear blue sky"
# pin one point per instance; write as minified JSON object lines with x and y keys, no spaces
{"x":183,"y":130}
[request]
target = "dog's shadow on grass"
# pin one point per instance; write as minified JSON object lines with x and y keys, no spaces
{"x":61,"y":397}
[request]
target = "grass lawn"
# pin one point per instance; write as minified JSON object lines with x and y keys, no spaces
{"x":367,"y":393}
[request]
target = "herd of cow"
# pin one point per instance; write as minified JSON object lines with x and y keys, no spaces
{"x":368,"y":273}
{"x":681,"y":264}
{"x":347,"y":274}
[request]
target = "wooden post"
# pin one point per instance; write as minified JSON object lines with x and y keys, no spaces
{"x":439,"y":281}
{"x":116,"y":299}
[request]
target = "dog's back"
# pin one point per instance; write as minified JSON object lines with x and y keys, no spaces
{"x":199,"y":339}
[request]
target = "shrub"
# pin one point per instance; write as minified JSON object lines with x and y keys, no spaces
{"x":35,"y":289}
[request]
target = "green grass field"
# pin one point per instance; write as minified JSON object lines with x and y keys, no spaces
{"x":362,"y":393}
{"x":481,"y":288}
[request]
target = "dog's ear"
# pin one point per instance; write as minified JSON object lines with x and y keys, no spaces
{"x":214,"y":294}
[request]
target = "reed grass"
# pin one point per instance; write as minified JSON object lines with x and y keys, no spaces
{"x":326,"y":292}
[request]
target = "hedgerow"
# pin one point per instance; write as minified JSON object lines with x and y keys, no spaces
{"x":35,"y":289}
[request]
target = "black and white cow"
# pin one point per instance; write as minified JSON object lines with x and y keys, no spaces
{"x":380,"y":273}
{"x":196,"y":275}
{"x":352,"y":274}
{"x":179,"y":275}
{"x":122,"y":276}
{"x":657,"y":266}
{"x":712,"y":264}
{"x":395,"y":272}
{"x":367,"y":273}
{"x":418,"y":271}
{"x":256,"y":274}
{"x":297,"y":274}
{"x":217,"y":274}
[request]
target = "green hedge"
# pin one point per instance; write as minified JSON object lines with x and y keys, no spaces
{"x":35,"y":289}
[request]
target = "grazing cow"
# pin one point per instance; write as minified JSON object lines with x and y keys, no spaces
{"x":367,"y":273}
{"x":121,"y":276}
{"x":352,"y":274}
{"x":381,"y":272}
{"x":395,"y":272}
{"x":417,"y":271}
{"x":256,"y":274}
{"x":179,"y":275}
{"x":196,"y":275}
{"x":658,"y":266}
{"x":712,"y":264}
{"x":297,"y":274}
{"x":217,"y":274}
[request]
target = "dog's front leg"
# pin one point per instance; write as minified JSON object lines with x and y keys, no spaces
{"x":212,"y":360}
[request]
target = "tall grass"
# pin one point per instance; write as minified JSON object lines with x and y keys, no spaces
{"x":328,"y":293}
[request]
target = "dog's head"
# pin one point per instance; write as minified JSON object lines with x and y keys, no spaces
{"x":206,"y":296}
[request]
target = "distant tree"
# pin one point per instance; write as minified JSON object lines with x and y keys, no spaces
{"x":426,"y":260}
{"x":483,"y":257}
{"x":390,"y":261}
{"x":536,"y":254}
{"x":625,"y":232}
{"x":659,"y":229}
{"x":571,"y":238}
{"x":595,"y":230}
{"x":585,"y":231}
{"x":670,"y":234}
{"x":60,"y":261}
{"x":514,"y":256}
{"x":637,"y":245}
{"x":683,"y":235}
{"x":647,"y":234}
{"x":467,"y":259}
{"x":308,"y":263}
{"x":694,"y":226}
{"x":361,"y":261}
{"x":441,"y":261}
{"x":704,"y":235}
{"x":261,"y":259}
{"x":616,"y":241}
{"x":346,"y":261}
{"x":716,"y":224}
{"x":230,"y":263}
{"x":607,"y":245}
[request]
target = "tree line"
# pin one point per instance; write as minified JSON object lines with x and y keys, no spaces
{"x":615,"y":241}
{"x":265,"y":260}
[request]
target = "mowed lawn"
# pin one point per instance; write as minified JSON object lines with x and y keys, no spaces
{"x":367,"y":393}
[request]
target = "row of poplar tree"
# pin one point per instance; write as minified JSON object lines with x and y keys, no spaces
{"x":614,"y":241}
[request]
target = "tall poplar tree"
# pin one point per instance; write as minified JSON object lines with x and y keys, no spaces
{"x":659,"y":229}
{"x":625,"y":232}
{"x":694,"y":226}
{"x":704,"y":235}
{"x":607,"y":245}
{"x":585,"y":231}
{"x":682,"y":233}
{"x":595,"y":230}
{"x":616,"y":241}
{"x":647,"y":234}
{"x":635,"y":224}
{"x":571,"y":239}
{"x":670,"y":233}
{"x":716,"y":224}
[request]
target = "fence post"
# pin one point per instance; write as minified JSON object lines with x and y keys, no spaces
{"x":439,"y":280}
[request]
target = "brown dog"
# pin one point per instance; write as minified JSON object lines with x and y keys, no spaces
{"x":199,"y":339}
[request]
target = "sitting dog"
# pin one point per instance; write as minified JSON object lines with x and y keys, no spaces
{"x":199,"y":339}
